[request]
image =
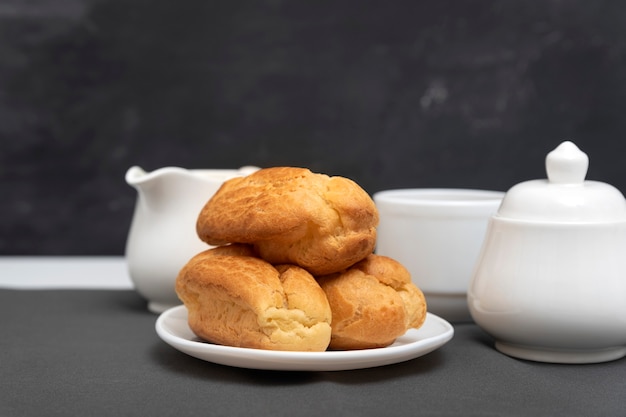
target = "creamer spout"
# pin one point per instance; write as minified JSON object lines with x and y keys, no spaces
{"x":134,"y":175}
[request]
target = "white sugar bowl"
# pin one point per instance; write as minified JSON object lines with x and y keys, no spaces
{"x":550,"y":281}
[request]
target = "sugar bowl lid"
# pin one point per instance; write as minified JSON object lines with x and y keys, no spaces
{"x":565,"y":196}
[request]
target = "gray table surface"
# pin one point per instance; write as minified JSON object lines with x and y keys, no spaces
{"x":95,"y":352}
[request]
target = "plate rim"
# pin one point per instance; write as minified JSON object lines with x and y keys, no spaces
{"x":304,"y":361}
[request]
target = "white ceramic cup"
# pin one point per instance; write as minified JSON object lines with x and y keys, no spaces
{"x":437,"y":234}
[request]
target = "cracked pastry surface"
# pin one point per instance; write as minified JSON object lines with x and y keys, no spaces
{"x":373,"y":303}
{"x":234,"y":298}
{"x":293,"y":216}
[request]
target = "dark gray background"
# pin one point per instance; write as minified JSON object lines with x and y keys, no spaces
{"x":392,"y":94}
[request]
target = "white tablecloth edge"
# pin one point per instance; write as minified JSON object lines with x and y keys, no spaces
{"x":64,"y":272}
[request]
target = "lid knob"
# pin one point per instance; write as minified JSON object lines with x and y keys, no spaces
{"x":567,"y":164}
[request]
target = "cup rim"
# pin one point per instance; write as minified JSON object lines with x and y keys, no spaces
{"x":439,"y":196}
{"x":438,"y":202}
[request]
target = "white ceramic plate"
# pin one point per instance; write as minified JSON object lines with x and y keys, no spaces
{"x":171,"y":326}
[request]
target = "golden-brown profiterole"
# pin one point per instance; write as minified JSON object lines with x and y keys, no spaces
{"x":237,"y":299}
{"x":294,"y":216}
{"x":373,"y":303}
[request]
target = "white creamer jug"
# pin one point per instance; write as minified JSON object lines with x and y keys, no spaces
{"x":550,"y":282}
{"x":162,"y":236}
